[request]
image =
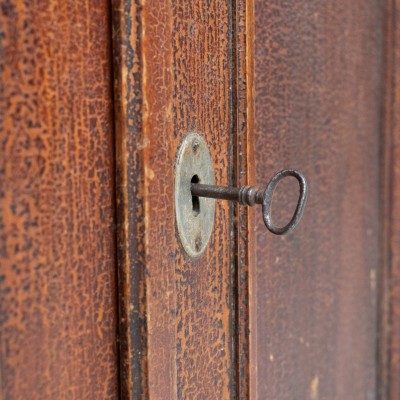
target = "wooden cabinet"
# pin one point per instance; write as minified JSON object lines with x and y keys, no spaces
{"x":98,"y":300}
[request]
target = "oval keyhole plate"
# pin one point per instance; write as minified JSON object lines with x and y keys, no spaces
{"x":194,"y":215}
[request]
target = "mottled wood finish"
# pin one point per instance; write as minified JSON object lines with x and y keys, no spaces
{"x":389,"y":349}
{"x":58,"y":323}
{"x":174,"y":74}
{"x":130,"y":197}
{"x":318,"y":105}
{"x":244,"y":174}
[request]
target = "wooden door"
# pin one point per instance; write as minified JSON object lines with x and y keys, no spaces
{"x":98,"y":300}
{"x":175,"y":66}
{"x":325,"y":299}
{"x":318,"y":74}
{"x":58,"y":303}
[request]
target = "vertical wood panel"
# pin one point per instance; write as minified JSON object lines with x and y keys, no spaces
{"x":244,"y":174}
{"x":57,"y":269}
{"x":389,"y":355}
{"x":174,"y":74}
{"x":130,"y":196}
{"x":318,"y":103}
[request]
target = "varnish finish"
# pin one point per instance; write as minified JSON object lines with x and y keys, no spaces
{"x":174,"y":74}
{"x":257,"y":316}
{"x":58,"y":324}
{"x":389,"y":311}
{"x":244,"y":175}
{"x":317,"y":108}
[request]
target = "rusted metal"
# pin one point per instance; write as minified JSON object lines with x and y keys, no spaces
{"x":250,"y":195}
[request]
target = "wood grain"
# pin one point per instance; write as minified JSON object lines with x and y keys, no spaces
{"x":173,"y":74}
{"x":130,"y":205}
{"x":389,"y":311}
{"x":244,"y":174}
{"x":317,"y":108}
{"x":58,"y":326}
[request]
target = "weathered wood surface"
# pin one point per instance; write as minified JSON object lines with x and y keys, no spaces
{"x":58,"y":324}
{"x":244,"y":175}
{"x":174,"y":73}
{"x":389,"y":311}
{"x":318,"y":108}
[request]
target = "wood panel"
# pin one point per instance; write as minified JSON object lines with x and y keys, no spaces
{"x":317,"y":108}
{"x":389,"y":343}
{"x":243,"y":175}
{"x":175,"y":72}
{"x":58,"y":328}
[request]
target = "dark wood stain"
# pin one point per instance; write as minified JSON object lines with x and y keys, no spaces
{"x":174,"y":73}
{"x":317,"y":108}
{"x":128,"y":108}
{"x":389,"y":310}
{"x":244,"y":174}
{"x":313,"y":315}
{"x":58,"y":326}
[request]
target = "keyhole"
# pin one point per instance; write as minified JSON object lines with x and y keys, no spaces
{"x":195,"y":199}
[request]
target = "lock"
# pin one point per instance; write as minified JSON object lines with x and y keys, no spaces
{"x":194,"y":215}
{"x":195,"y":193}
